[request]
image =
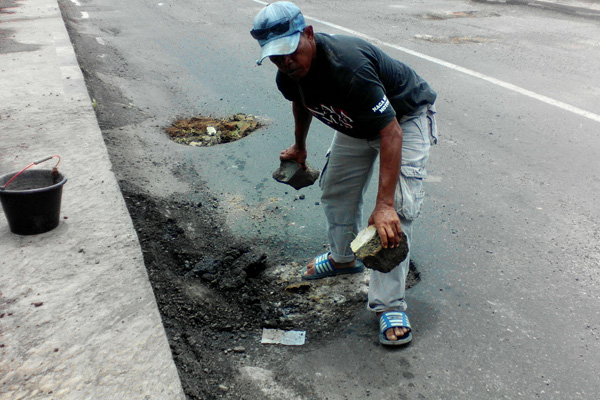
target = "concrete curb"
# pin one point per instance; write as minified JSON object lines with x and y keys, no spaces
{"x":78,"y":318}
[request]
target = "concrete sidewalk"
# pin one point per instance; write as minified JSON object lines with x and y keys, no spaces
{"x":78,"y":318}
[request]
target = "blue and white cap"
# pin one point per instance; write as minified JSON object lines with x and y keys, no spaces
{"x":277,"y":28}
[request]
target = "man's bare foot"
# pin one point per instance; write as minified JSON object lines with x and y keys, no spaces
{"x":310,"y":268}
{"x":394,"y":334}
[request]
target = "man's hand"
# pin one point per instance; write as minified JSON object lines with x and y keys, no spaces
{"x":292,"y":153}
{"x":388,"y":226}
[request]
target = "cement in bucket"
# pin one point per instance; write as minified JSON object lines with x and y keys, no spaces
{"x":31,"y":202}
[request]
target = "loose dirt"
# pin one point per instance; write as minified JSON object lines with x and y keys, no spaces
{"x":208,"y":131}
{"x":217,"y":292}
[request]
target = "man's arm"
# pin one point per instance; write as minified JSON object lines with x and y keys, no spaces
{"x":384,"y":216}
{"x":302,"y":119}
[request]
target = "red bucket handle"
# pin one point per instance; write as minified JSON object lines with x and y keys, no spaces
{"x":54,"y":170}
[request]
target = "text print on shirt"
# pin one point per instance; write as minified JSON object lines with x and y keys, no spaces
{"x":332,"y":116}
{"x":382,"y":105}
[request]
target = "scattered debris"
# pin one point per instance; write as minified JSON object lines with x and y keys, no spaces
{"x":287,"y":338}
{"x":216,"y":292}
{"x":205,"y":131}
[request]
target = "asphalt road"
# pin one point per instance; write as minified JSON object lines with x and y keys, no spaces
{"x":508,"y":306}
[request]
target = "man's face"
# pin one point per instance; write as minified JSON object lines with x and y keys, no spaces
{"x":297,"y":64}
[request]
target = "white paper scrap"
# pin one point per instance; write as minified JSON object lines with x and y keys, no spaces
{"x":288,"y":338}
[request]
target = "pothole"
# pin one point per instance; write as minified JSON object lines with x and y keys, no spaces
{"x":452,"y":39}
{"x":458,"y":14}
{"x":209,"y":131}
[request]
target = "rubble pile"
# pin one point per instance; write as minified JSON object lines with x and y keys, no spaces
{"x":207,"y":131}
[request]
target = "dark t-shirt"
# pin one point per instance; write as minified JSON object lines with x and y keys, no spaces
{"x":352,"y":84}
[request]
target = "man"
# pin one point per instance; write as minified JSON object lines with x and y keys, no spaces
{"x":378,"y":106}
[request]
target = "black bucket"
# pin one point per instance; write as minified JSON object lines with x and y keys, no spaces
{"x":31,"y":202}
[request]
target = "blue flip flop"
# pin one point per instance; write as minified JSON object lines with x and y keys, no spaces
{"x":394,"y":319}
{"x":324,"y":268}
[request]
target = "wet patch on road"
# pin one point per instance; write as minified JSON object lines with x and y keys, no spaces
{"x":10,"y":45}
{"x":208,"y":131}
{"x":7,"y":42}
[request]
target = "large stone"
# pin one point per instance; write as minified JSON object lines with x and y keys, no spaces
{"x":291,"y":173}
{"x":367,"y":248}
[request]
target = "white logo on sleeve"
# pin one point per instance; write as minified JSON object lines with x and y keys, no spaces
{"x":382,"y":105}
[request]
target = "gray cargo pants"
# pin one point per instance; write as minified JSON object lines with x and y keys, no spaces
{"x":344,"y":181}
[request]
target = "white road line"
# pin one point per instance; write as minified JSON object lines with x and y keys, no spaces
{"x":84,"y":15}
{"x":78,"y":4}
{"x":475,"y":74}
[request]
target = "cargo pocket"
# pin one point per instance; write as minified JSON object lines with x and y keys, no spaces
{"x":409,"y":192}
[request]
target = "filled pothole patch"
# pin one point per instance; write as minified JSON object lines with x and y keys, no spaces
{"x":452,"y":39}
{"x":208,"y":131}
